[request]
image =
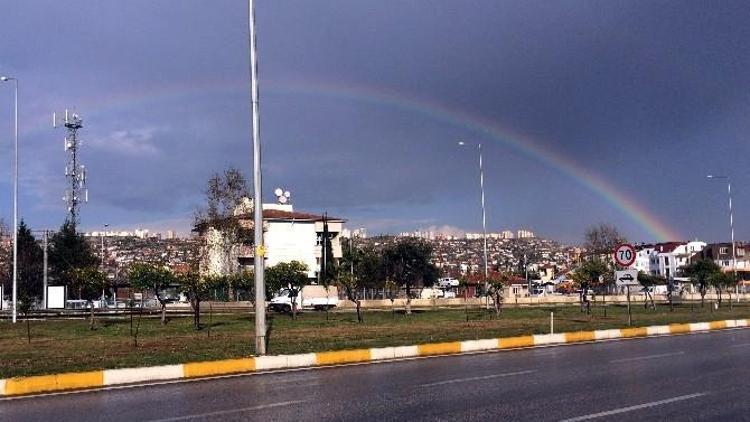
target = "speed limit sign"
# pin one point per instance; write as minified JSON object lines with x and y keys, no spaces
{"x":625,"y":254}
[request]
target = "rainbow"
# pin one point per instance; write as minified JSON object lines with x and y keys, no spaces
{"x":523,"y":144}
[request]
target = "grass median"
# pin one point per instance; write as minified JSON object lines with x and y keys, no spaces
{"x":68,"y":345}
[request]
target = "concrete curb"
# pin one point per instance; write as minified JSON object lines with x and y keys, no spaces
{"x":111,"y":377}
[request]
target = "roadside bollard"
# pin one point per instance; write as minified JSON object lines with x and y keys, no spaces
{"x":552,"y":323}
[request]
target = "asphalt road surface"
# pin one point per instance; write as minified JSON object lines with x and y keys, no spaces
{"x":679,"y":378}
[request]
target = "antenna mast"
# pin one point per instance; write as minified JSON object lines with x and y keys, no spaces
{"x":75,"y":173}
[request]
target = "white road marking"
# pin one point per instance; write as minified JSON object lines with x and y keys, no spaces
{"x":632,"y":408}
{"x":663,"y":355}
{"x":740,"y":345}
{"x":228,"y":412}
{"x":485,"y":377}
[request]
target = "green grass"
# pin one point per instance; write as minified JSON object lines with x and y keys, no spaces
{"x":68,"y":345}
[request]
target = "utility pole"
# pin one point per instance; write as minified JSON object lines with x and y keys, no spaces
{"x":45,"y":279}
{"x":259,"y":256}
{"x":15,"y":193}
{"x":103,"y":267}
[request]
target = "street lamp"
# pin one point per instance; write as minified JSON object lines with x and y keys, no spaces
{"x":731,"y":226}
{"x":258,"y":256}
{"x":15,"y":191}
{"x":484,"y":218}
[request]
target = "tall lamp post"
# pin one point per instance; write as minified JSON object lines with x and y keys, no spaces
{"x":15,"y":191}
{"x":484,"y":218}
{"x":731,"y":226}
{"x":259,"y":256}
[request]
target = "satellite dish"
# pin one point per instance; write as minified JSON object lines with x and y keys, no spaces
{"x":287,"y":194}
{"x":282,"y":199}
{"x":278,"y":192}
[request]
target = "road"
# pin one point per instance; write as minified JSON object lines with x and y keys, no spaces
{"x":690,"y":377}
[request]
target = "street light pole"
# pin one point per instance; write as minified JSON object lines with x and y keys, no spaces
{"x":260,"y":285}
{"x":731,"y":229}
{"x":45,"y":279}
{"x":484,"y":220}
{"x":15,"y":192}
{"x":104,"y":229}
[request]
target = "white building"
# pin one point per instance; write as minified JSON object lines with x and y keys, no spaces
{"x":296,"y":236}
{"x":666,"y":259}
{"x":288,"y":236}
{"x":525,"y":234}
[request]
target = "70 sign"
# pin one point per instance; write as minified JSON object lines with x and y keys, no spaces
{"x":625,"y":254}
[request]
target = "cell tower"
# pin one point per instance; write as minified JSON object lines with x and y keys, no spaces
{"x":75,"y":173}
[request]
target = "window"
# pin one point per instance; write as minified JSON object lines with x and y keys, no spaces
{"x":666,"y":261}
{"x":723,"y":250}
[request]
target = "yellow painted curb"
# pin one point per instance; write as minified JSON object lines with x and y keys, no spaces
{"x":439,"y":348}
{"x":717,"y":325}
{"x":513,"y":342}
{"x":218,"y":367}
{"x":679,"y":328}
{"x":342,"y":356}
{"x":634,"y":332}
{"x":59,"y":382}
{"x":577,"y":336}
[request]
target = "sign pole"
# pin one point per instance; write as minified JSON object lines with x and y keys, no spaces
{"x":630,"y":317}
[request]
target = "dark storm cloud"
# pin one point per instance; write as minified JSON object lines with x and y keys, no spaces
{"x":650,"y":95}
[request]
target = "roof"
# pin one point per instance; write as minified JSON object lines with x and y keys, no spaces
{"x":279,"y":215}
{"x":290,"y":215}
{"x":294,"y":215}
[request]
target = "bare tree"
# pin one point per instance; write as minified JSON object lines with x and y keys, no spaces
{"x":601,"y":239}
{"x":218,"y":221}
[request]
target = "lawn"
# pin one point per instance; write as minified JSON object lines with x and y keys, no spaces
{"x":68,"y":345}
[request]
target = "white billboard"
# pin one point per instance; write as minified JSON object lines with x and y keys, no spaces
{"x":56,"y":297}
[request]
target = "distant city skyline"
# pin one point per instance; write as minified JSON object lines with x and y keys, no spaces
{"x":587,"y":112}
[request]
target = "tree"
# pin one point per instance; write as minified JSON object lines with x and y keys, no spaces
{"x":497,"y":283}
{"x":151,"y":277}
{"x":700,"y":273}
{"x":243,"y":283}
{"x":359,"y":269}
{"x":226,"y":197}
{"x":723,"y":282}
{"x":649,"y":281}
{"x":6,"y":257}
{"x":25,"y":304}
{"x":30,"y":264}
{"x":602,"y":239}
{"x":291,"y":275}
{"x":69,"y":251}
{"x":197,"y":289}
{"x":407,"y":262}
{"x":590,"y":274}
{"x":89,"y":282}
{"x":327,"y":264}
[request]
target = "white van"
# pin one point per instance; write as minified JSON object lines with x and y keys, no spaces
{"x":447,"y":283}
{"x":312,"y":296}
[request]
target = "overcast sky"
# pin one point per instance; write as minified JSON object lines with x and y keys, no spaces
{"x":588,"y":111}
